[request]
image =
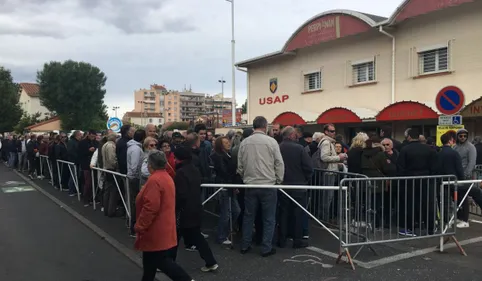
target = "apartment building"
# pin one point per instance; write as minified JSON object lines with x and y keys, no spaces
{"x":192,"y":105}
{"x":216,"y":104}
{"x":361,"y":71}
{"x":172,"y":106}
{"x":149,"y":100}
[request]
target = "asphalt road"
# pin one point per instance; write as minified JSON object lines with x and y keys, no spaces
{"x":40,"y":241}
{"x":287,"y":264}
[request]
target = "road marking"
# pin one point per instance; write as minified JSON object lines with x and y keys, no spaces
{"x":313,"y":260}
{"x":13,"y":182}
{"x":396,"y":258}
{"x":14,"y":189}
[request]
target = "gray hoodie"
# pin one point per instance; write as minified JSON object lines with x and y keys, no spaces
{"x":134,"y":159}
{"x":468,"y":153}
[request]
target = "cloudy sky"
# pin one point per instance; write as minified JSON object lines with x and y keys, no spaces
{"x":140,"y":42}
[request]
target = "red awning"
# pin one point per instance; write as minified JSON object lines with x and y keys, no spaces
{"x":406,"y":110}
{"x":338,"y":115}
{"x":289,"y":119}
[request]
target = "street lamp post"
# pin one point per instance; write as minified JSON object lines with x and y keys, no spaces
{"x":233,"y":78}
{"x":222,"y":81}
{"x":114,"y":108}
{"x":142,"y":111}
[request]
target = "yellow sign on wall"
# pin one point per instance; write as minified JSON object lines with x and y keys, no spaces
{"x":444,"y":129}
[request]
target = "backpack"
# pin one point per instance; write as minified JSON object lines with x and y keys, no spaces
{"x":316,"y":158}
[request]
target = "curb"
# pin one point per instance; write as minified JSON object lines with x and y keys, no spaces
{"x":97,"y":230}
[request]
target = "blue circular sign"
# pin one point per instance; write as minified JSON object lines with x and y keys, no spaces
{"x":450,"y":100}
{"x":114,"y":124}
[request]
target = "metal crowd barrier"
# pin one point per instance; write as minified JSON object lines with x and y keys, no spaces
{"x":474,"y":208}
{"x":125,"y":198}
{"x":45,"y":159}
{"x":222,"y":187}
{"x":73,"y":174}
{"x":386,"y":210}
{"x":323,"y":203}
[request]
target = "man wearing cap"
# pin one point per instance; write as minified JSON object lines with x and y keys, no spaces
{"x":468,"y":154}
{"x":177,"y":140}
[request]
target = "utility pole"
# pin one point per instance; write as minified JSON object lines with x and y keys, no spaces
{"x":233,"y":78}
{"x":222,"y":81}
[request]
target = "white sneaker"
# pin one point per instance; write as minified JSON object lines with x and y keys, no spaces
{"x":462,"y":224}
{"x":206,"y":236}
{"x":306,"y":237}
{"x":191,"y":249}
{"x":227,"y":242}
{"x":210,"y":268}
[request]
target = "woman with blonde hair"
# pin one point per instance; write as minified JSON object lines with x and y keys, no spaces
{"x":354,"y":154}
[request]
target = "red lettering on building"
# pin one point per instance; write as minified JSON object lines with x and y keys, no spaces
{"x":273,"y":100}
{"x":419,"y":7}
{"x":475,"y":109}
{"x":406,"y":110}
{"x":324,"y":29}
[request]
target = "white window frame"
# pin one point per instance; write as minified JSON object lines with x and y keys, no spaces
{"x":437,"y":61}
{"x":307,"y":74}
{"x":357,"y":65}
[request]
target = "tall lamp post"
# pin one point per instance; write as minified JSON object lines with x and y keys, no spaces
{"x":233,"y":78}
{"x":222,"y":81}
{"x":114,"y":108}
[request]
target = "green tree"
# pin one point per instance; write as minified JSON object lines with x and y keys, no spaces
{"x":178,"y":125}
{"x":244,"y":107}
{"x":27,"y":120}
{"x":75,"y":92}
{"x":10,"y":110}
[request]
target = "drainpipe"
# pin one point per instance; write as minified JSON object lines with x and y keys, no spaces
{"x":247,"y":91}
{"x":393,"y":60}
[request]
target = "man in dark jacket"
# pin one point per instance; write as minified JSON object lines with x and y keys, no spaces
{"x":416,"y":159}
{"x":205,"y":150}
{"x":298,"y":171}
{"x":188,"y":206}
{"x":32,"y":149}
{"x":73,"y":157}
{"x":478,"y":148}
{"x":87,"y":147}
{"x":127,"y":133}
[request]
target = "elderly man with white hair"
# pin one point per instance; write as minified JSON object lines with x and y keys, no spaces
{"x":313,"y":146}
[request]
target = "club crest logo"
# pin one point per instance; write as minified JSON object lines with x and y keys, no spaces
{"x":273,"y":85}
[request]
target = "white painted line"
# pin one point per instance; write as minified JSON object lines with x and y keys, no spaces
{"x":313,"y":260}
{"x":395,"y":258}
{"x":335,"y":256}
{"x":476,"y":221}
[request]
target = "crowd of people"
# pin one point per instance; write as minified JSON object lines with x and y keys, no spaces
{"x":165,"y":172}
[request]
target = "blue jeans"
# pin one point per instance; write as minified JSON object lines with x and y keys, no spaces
{"x":226,"y":210}
{"x":12,"y":159}
{"x":268,"y":199}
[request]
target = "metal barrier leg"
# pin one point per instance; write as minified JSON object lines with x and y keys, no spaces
{"x":93,"y":188}
{"x":128,"y":197}
{"x":231,"y":221}
{"x":41,"y":168}
{"x":59,"y":174}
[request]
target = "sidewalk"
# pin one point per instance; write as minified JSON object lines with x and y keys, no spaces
{"x":40,"y":241}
